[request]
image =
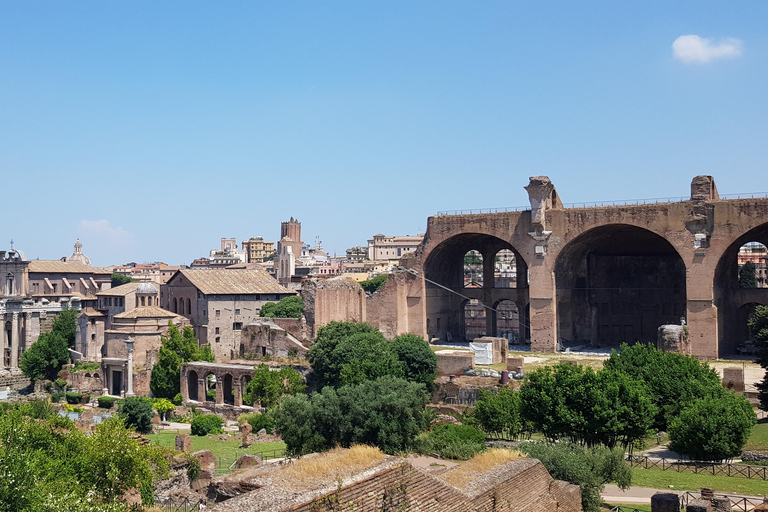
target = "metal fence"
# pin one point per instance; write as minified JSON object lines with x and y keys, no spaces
{"x":177,"y":504}
{"x":624,"y":508}
{"x":743,"y":503}
{"x":711,"y":468}
{"x":226,"y":464}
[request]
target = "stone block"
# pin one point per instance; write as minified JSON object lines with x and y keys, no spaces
{"x":665,"y":502}
{"x":183,"y":442}
{"x":721,"y":504}
{"x":247,"y":461}
{"x":156,"y":420}
{"x":763,"y":507}
{"x":500,"y":347}
{"x":206,"y":458}
{"x":733,"y":378}
{"x":699,"y":506}
{"x":514,"y":362}
{"x":450,"y":362}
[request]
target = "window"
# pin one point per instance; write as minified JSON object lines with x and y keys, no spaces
{"x":142,"y":301}
{"x":218,"y":339}
{"x":93,"y":337}
{"x":237,"y":311}
{"x":217,"y":330}
{"x":218,"y":312}
{"x":237,"y":326}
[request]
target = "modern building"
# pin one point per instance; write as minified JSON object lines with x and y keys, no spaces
{"x":383,"y":247}
{"x":218,"y":302}
{"x":757,"y":254}
{"x":257,"y":250}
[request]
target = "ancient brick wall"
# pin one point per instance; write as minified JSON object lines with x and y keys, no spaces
{"x":334,"y":299}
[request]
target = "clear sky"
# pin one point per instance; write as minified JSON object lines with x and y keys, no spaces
{"x":152,"y":129}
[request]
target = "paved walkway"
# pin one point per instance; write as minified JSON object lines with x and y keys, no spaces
{"x":634,"y":495}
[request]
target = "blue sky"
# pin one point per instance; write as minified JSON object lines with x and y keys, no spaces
{"x":152,"y":129}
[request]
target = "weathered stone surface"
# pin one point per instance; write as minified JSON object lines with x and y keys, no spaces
{"x":721,"y":504}
{"x":247,"y":460}
{"x":183,"y":442}
{"x":673,"y":338}
{"x":665,"y":502}
{"x":513,"y":363}
{"x":699,"y":506}
{"x":733,"y":378}
{"x":206,"y":458}
{"x":450,"y":362}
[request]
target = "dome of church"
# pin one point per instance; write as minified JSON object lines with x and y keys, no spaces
{"x":78,"y":255}
{"x":147,"y":289}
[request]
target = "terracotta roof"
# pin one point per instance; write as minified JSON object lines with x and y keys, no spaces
{"x":59,"y":266}
{"x":233,"y":281}
{"x":120,"y":291}
{"x":92,"y":312}
{"x":147,"y":312}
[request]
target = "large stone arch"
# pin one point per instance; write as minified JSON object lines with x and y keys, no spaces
{"x":445,"y":293}
{"x":729,"y":298}
{"x":192,"y":386}
{"x":617,"y":283}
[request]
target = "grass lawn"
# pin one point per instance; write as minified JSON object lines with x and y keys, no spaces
{"x":759,"y":438}
{"x":229,"y":449}
{"x":659,"y":479}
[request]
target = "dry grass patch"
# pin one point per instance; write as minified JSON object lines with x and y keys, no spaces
{"x":335,"y":464}
{"x":481,"y":463}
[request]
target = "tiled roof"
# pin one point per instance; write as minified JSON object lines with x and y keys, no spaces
{"x":233,"y":281}
{"x":62,"y":267}
{"x":147,"y":312}
{"x":120,"y":291}
{"x":92,"y":312}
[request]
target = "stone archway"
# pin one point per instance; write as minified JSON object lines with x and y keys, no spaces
{"x":227,"y":389}
{"x":192,"y":386}
{"x":618,"y":283}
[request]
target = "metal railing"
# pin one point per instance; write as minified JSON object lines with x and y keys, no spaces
{"x":474,"y":211}
{"x":226,"y":464}
{"x":167,"y":504}
{"x":624,"y":508}
{"x":712,"y":468}
{"x":626,"y":202}
{"x":743,"y":503}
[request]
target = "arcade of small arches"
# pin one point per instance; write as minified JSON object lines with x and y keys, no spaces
{"x":178,"y":306}
{"x":599,"y":276}
{"x":227,"y":381}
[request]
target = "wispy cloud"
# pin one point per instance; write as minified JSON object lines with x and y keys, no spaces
{"x":694,"y":49}
{"x":103,"y":233}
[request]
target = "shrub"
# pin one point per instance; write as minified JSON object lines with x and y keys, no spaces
{"x":206,"y":424}
{"x":48,"y":386}
{"x":373,"y":285}
{"x":61,"y":383}
{"x":259,"y":421}
{"x":39,"y":409}
{"x":86,"y":398}
{"x":211,"y":395}
{"x":74,"y":398}
{"x":178,"y":399}
{"x":137,"y":412}
{"x":106,"y":402}
{"x":452,"y":441}
{"x":268,"y":386}
{"x":163,"y":406}
{"x":86,"y":366}
{"x":56,"y":397}
{"x":288,"y":307}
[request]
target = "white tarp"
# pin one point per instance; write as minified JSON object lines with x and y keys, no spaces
{"x":483,"y":352}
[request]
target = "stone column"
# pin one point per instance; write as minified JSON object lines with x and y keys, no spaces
{"x":129,"y":346}
{"x":14,"y":341}
{"x":201,"y":389}
{"x":237,"y":391}
{"x":543,"y":300}
{"x":219,"y":391}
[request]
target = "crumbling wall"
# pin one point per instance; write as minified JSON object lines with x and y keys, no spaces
{"x":264,"y":337}
{"x":397,"y":307}
{"x":335,"y":299}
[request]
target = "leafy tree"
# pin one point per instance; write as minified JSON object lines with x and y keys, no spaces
{"x":45,"y":358}
{"x":372,"y":285}
{"x":387,"y":412}
{"x":674,"y":380}
{"x":499,"y":413}
{"x":713,"y":428}
{"x":589,"y":468}
{"x":758,"y":326}
{"x":163,"y":406}
{"x":120,"y":279}
{"x":320,"y":355}
{"x":363,"y":357}
{"x":65,"y":325}
{"x":177,"y":348}
{"x":288,"y":307}
{"x":137,"y":413}
{"x":570,"y":401}
{"x":472,"y":259}
{"x":748,"y":275}
{"x":418,"y":361}
{"x":269,"y":386}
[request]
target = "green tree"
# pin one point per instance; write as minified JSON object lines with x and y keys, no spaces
{"x":673,"y":380}
{"x":120,"y":279}
{"x":267,"y":386}
{"x":499,"y":413}
{"x":758,"y":326}
{"x":163,"y":406}
{"x":472,"y":259}
{"x":137,"y":411}
{"x":713,"y":428}
{"x":589,"y":468}
{"x":320,"y":354}
{"x":748,"y":275}
{"x":65,"y":325}
{"x":372,"y":285}
{"x":288,"y":307}
{"x":363,"y":357}
{"x":45,"y":358}
{"x":177,"y":348}
{"x":418,"y":361}
{"x":387,"y":412}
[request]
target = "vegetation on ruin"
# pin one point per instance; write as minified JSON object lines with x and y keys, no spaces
{"x":481,"y":463}
{"x":588,"y":407}
{"x":177,"y":348}
{"x":758,"y":326}
{"x":85,"y":366}
{"x":267,"y":386}
{"x":50,"y":465}
{"x":387,"y":412}
{"x":451,"y":441}
{"x":120,"y":279}
{"x":589,"y":468}
{"x":673,"y":380}
{"x":712,"y":428}
{"x":45,"y":358}
{"x":337,"y":464}
{"x":137,"y":412}
{"x":373,"y":285}
{"x":287,"y":307}
{"x":65,"y":325}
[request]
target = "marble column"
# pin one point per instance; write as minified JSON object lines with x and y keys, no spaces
{"x":14,"y":341}
{"x":238,"y":393}
{"x":129,"y":346}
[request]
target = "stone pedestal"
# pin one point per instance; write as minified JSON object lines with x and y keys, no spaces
{"x":665,"y":502}
{"x":183,"y":442}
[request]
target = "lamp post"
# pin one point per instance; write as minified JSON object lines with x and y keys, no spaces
{"x":129,"y":345}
